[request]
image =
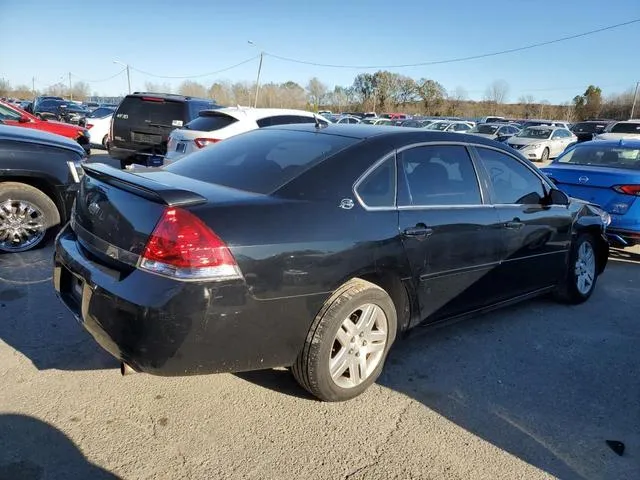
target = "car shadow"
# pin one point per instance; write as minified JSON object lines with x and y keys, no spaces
{"x":532,"y":379}
{"x":34,"y":450}
{"x":35,"y":323}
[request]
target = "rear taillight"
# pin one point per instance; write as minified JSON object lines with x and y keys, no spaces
{"x":89,"y":126}
{"x":203,"y":142}
{"x":183,"y":247}
{"x":628,"y":189}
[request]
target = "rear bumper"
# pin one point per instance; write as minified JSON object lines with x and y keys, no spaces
{"x":165,"y":327}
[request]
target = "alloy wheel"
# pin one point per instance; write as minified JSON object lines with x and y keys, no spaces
{"x":359,"y":346}
{"x":585,"y":268}
{"x":21,"y":225}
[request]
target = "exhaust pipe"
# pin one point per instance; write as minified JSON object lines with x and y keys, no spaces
{"x":126,"y":369}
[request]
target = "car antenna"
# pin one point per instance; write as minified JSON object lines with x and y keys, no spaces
{"x":319,"y":124}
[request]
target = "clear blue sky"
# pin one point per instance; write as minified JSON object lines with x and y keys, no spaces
{"x":47,"y":39}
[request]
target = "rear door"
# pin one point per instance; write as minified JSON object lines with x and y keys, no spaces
{"x":537,"y":237}
{"x":451,"y":238}
{"x":143,"y":123}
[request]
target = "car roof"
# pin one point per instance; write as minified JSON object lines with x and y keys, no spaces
{"x":250,"y":113}
{"x":21,"y":134}
{"x":169,"y":96}
{"x":622,"y":143}
{"x":545,"y":127}
{"x":628,"y":121}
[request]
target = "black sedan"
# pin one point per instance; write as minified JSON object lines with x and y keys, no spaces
{"x":314,"y":248}
{"x":39,"y":176}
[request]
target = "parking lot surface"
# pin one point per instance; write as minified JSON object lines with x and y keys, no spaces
{"x":533,"y":391}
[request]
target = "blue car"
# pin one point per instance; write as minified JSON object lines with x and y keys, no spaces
{"x":607,"y":173}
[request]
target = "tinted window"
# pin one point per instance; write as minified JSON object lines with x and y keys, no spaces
{"x":588,"y":127}
{"x":378,"y":189}
{"x":461,"y":127}
{"x":155,"y":112}
{"x":605,"y":156}
{"x":210,"y":122}
{"x":260,"y":161}
{"x":626,"y":128}
{"x":439,"y":175}
{"x":195,"y":107}
{"x":8,"y":114}
{"x":284,"y":120}
{"x":512,"y":182}
{"x":100,"y":112}
{"x":485,"y":129}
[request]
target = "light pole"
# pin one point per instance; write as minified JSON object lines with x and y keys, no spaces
{"x":635,"y":99}
{"x":128,"y":77}
{"x":255,"y":102}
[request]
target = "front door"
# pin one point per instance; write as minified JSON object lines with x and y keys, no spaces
{"x":452,"y":240}
{"x":537,"y":235}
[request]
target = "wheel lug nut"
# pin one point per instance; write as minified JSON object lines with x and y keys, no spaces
{"x":364,"y":342}
{"x":357,"y":354}
{"x":350,"y":352}
{"x":361,"y":334}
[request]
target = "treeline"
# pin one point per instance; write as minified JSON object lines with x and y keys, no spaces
{"x":382,"y":91}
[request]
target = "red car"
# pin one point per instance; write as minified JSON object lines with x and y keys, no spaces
{"x":15,"y":116}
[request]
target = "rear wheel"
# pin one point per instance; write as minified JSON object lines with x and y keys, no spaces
{"x":582,"y":274}
{"x":26,"y":217}
{"x":545,"y":155}
{"x":348,"y":342}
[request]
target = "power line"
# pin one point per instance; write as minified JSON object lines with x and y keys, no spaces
{"x":460,"y":59}
{"x":99,"y":80}
{"x":195,"y":76}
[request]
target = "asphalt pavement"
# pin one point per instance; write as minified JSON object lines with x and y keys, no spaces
{"x":530,"y":392}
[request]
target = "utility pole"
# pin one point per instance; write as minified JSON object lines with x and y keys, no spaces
{"x":255,"y":103}
{"x":635,"y":99}
{"x":126,"y":65}
{"x":70,"y":91}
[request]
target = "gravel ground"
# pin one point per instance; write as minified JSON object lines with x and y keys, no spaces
{"x":529,"y":392}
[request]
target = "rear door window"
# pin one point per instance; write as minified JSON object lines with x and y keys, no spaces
{"x":283,"y":120}
{"x":210,"y":122}
{"x":260,"y":161}
{"x":151,"y":111}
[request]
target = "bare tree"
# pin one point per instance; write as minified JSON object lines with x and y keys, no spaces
{"x":497,"y":92}
{"x":243,"y":93}
{"x":190,"y":88}
{"x":80,"y":91}
{"x":158,"y":87}
{"x":317,"y":90}
{"x":222,"y":93}
{"x":22,"y":91}
{"x":455,"y":100}
{"x":5,"y":87}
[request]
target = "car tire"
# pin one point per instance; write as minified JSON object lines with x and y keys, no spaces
{"x":105,"y":142}
{"x":17,"y":196}
{"x":545,"y":155}
{"x":357,"y":311}
{"x":124,"y":164}
{"x":582,"y":272}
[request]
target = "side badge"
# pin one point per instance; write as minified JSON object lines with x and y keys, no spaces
{"x":346,"y":204}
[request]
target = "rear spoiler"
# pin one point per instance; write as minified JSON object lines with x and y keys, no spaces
{"x":143,"y":186}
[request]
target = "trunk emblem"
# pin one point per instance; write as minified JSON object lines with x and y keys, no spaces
{"x":583,"y":179}
{"x":346,"y":204}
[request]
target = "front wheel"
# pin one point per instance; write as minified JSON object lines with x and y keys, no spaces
{"x":348,"y":342}
{"x":545,"y":155}
{"x":582,"y":272}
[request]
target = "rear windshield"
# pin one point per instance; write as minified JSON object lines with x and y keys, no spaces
{"x":161,"y":113}
{"x":209,"y":122}
{"x":100,"y":112}
{"x":486,"y":129}
{"x":603,"y":156}
{"x":588,"y":127}
{"x":626,"y":128}
{"x":260,"y":161}
{"x":535,"y":133}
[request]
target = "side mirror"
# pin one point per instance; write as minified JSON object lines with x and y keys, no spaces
{"x":23,"y":119}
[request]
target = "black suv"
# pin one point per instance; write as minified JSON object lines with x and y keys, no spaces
{"x":586,"y":131}
{"x":39,"y":176}
{"x":141,"y":126}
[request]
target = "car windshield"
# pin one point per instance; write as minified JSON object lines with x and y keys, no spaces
{"x":540,"y":133}
{"x":438,"y":126}
{"x":486,"y":129}
{"x":630,"y":127}
{"x":603,"y":156}
{"x":260,"y":161}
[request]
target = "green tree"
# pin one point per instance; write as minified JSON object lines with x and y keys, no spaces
{"x":431,"y":94}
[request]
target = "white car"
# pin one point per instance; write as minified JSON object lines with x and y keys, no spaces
{"x":620,"y":130}
{"x":450,"y":126}
{"x":98,"y":124}
{"x":212,"y":126}
{"x":542,"y":143}
{"x":347,"y":119}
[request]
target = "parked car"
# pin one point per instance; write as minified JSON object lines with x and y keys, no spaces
{"x":542,"y":143}
{"x":605,"y":172}
{"x":49,"y":109}
{"x":239,"y":258}
{"x":495,"y":131}
{"x":39,"y":177}
{"x":545,"y":123}
{"x":14,"y":116}
{"x":491,"y":119}
{"x":98,"y":123}
{"x":620,"y":130}
{"x":415,"y":123}
{"x":456,"y":126}
{"x":212,"y":126}
{"x":141,"y":126}
{"x":71,"y":112}
{"x":377,"y":121}
{"x":347,"y":119}
{"x":588,"y":130}
{"x":40,"y":99}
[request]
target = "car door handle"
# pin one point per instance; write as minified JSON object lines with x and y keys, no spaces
{"x":514,"y":225}
{"x":418,"y":231}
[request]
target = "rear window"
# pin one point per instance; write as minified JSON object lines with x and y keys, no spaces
{"x":209,"y":122}
{"x":602,"y":156}
{"x":626,"y":128}
{"x":162,"y":113}
{"x":260,"y":161}
{"x":100,"y":112}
